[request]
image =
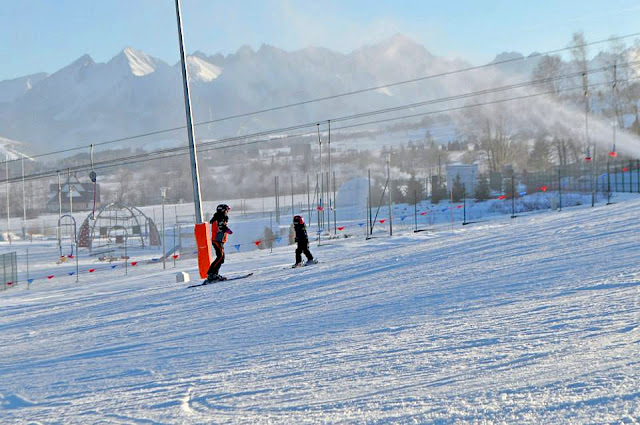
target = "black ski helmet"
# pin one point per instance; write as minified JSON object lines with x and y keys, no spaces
{"x":223,"y":208}
{"x":298,"y":219}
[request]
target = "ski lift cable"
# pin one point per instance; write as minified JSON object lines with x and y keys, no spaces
{"x":222,"y":144}
{"x":351,"y":93}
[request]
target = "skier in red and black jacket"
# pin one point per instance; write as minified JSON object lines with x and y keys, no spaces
{"x":302,"y":239}
{"x":219,"y":234}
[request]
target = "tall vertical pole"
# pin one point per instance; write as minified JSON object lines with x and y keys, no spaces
{"x":614,"y":123}
{"x":594,"y":177}
{"x":464,"y":205}
{"x":70,"y":191}
{"x":331,"y":206}
{"x":513,"y":195}
{"x":195,"y":173}
{"x":78,"y":263}
{"x":164,"y":251}
{"x":321,"y":209}
{"x":415,"y":211}
{"x":24,"y":202}
{"x":6,"y":168}
{"x":389,"y":188}
{"x":335,"y":213}
{"x":608,"y":180}
{"x":370,"y":205}
{"x":318,"y":206}
{"x":559,"y":188}
{"x":308,"y":199}
{"x":29,"y":284}
{"x":59,"y":205}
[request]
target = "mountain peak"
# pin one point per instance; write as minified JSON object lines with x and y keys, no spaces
{"x":83,"y":61}
{"x":202,"y":70}
{"x":137,"y":62}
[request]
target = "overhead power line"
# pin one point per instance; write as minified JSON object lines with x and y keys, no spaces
{"x":336,"y":96}
{"x":223,"y":144}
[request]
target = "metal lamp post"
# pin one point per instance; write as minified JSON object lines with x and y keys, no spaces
{"x":163,"y":192}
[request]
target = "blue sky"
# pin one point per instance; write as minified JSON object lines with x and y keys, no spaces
{"x":45,"y":35}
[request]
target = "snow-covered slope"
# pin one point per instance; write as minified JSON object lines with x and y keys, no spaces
{"x":529,"y":321}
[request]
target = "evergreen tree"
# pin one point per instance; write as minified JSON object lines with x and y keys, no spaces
{"x":415,"y":190}
{"x":438,"y":191}
{"x":457,"y":191}
{"x":482,"y":188}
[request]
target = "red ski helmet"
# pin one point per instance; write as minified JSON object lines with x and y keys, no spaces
{"x":298,"y":219}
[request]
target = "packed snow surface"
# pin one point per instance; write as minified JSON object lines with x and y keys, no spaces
{"x":529,"y":320}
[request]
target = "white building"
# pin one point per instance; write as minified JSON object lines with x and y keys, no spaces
{"x":468,"y":175}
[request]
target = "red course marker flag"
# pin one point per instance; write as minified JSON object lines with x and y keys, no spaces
{"x":502,"y":197}
{"x":50,"y":277}
{"x":341,"y":228}
{"x":459,"y":206}
{"x":625,"y":169}
{"x":92,"y":270}
{"x":258,"y":242}
{"x":543,"y":188}
{"x":423,"y":213}
{"x":175,"y":256}
{"x":613,"y":154}
{"x":382,"y":221}
{"x":133,"y":263}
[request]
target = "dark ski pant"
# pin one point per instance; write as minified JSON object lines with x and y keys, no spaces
{"x":303,"y":248}
{"x":214,"y":268}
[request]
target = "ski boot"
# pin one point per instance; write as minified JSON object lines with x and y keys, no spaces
{"x":310,"y":262}
{"x":213,"y":278}
{"x":296,"y":265}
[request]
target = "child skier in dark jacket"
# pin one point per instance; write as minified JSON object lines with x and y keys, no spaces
{"x":302,"y":239}
{"x":219,"y":234}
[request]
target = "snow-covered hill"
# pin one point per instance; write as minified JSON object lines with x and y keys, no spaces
{"x":530,"y":320}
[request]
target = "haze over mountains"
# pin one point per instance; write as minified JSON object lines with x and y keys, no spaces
{"x":88,"y":102}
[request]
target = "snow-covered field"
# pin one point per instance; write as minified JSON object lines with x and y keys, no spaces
{"x":533,"y":320}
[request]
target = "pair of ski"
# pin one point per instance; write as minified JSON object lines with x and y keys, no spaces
{"x":209,"y":282}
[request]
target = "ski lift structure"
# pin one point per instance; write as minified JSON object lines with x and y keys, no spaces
{"x":116,"y":225}
{"x":67,"y":235}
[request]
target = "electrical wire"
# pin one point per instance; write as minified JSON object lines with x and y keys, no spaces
{"x":216,"y":145}
{"x":336,"y":96}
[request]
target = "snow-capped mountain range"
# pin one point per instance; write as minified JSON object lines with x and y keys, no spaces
{"x":133,"y":93}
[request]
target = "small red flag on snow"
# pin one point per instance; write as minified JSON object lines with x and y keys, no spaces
{"x":9,"y":283}
{"x":341,"y":228}
{"x":423,"y":213}
{"x":543,"y":188}
{"x":258,"y":242}
{"x":50,"y":277}
{"x":625,"y":169}
{"x":382,"y":221}
{"x":133,"y":263}
{"x":502,"y":197}
{"x":613,"y":154}
{"x":320,"y":208}
{"x":459,"y":206}
{"x":92,"y":270}
{"x":175,"y":256}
